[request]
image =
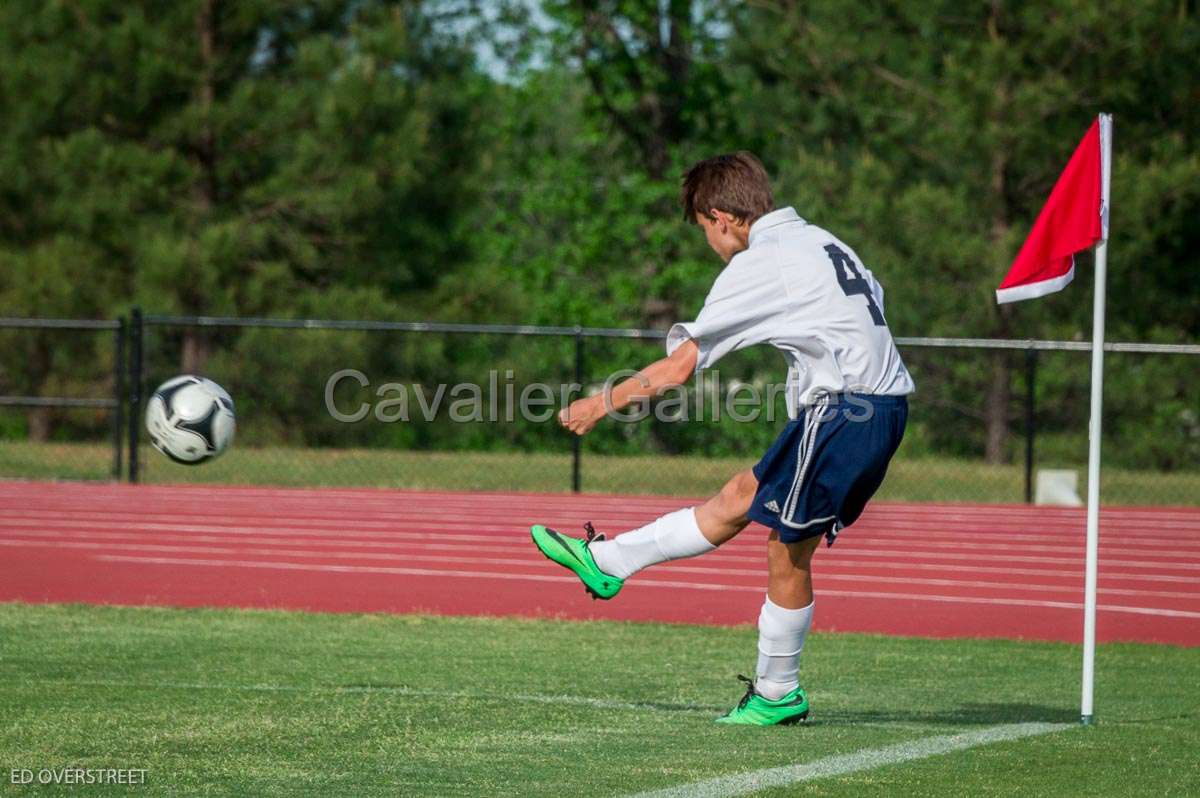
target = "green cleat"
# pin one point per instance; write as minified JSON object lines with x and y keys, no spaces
{"x":573,"y":553}
{"x":754,"y":710}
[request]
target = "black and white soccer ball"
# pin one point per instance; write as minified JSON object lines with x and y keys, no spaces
{"x":190,"y":419}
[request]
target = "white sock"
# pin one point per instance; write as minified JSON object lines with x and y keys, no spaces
{"x":670,"y":537}
{"x":781,"y":634}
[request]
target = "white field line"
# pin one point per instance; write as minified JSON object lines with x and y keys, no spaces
{"x":540,"y":563}
{"x":963,"y":551}
{"x":842,"y":764}
{"x":726,"y":558}
{"x":661,"y":583}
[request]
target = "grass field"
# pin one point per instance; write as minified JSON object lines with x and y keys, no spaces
{"x":909,"y":479}
{"x":273,"y":703}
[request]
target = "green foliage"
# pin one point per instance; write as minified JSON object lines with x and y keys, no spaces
{"x":354,"y":160}
{"x":928,"y":135}
{"x":228,"y":159}
{"x":935,"y":156}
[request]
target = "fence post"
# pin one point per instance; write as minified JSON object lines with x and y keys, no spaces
{"x":1030,"y":418}
{"x":118,"y":413}
{"x":136,"y":329}
{"x":577,"y":440}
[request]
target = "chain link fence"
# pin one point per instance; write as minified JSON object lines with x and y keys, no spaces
{"x":472,"y":407}
{"x":63,"y":397}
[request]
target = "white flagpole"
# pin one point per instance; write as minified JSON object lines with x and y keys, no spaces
{"x":1094,"y":430}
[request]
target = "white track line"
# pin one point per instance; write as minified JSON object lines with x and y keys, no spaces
{"x":473,"y":509}
{"x":974,"y":553}
{"x":829,"y":559}
{"x":413,"y":518}
{"x":540,"y":564}
{"x":842,"y":764}
{"x":1116,"y":529}
{"x":469,"y":509}
{"x":1171,"y":552}
{"x":660,"y":583}
{"x":387,"y":495}
{"x":72,"y":491}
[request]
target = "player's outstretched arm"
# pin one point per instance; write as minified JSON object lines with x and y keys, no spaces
{"x":583,"y":414}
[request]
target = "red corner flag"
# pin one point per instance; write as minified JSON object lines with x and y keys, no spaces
{"x":1070,"y":221}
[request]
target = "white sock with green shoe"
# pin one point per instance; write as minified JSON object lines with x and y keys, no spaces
{"x":781,"y":634}
{"x":670,"y":537}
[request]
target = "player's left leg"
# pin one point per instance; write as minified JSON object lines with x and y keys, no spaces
{"x":604,"y":565}
{"x":775,"y":696}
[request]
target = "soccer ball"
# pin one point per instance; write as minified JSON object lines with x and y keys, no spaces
{"x":190,"y":419}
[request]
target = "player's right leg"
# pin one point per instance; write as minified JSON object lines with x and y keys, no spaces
{"x":604,"y":565}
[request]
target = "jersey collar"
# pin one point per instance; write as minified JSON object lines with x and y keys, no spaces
{"x":773,"y":219}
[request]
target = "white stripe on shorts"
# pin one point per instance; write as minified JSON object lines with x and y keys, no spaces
{"x":812,"y":423}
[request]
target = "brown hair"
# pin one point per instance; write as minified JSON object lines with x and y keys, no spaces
{"x":736,"y":183}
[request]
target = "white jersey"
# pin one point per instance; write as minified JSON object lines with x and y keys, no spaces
{"x":801,"y":290}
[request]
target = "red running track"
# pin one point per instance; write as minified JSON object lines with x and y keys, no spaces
{"x":935,"y":570}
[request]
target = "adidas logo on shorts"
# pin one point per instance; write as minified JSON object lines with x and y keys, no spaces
{"x":772,"y":505}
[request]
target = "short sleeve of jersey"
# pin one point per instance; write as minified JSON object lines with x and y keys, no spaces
{"x":743,"y":309}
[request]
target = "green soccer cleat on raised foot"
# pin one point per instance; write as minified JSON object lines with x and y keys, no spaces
{"x":573,"y":553}
{"x":754,"y":710}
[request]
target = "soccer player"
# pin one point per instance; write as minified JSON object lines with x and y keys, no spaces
{"x":792,"y":285}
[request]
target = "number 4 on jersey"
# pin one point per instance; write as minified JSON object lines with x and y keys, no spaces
{"x":852,"y":282}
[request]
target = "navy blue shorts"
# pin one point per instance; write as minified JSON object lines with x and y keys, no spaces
{"x":826,"y":464}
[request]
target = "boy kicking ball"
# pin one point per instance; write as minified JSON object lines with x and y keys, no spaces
{"x":794,"y":286}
